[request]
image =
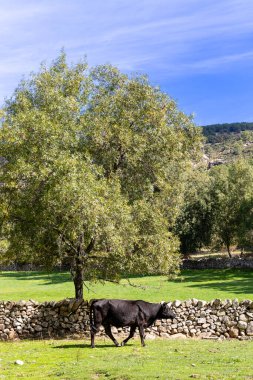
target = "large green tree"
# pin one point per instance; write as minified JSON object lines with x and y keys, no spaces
{"x":93,"y":171}
{"x":232,"y":203}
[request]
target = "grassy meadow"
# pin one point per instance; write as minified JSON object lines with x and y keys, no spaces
{"x":201,"y":284}
{"x":160,"y":359}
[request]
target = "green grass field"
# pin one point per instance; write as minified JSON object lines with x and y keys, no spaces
{"x":201,"y":284}
{"x":160,"y":359}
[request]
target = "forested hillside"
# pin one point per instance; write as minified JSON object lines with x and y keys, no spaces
{"x":216,"y":132}
{"x":226,"y":142}
{"x":218,"y":201}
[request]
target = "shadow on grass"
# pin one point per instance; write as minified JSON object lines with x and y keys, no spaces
{"x":55,"y":277}
{"x":86,"y":345}
{"x":48,"y":277}
{"x":214,"y":274}
{"x":237,"y":281}
{"x":228,"y":280}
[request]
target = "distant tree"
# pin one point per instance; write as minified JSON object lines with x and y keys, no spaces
{"x":194,"y":223}
{"x":94,"y":168}
{"x":245,"y":223}
{"x":247,"y":136}
{"x":232,"y":195}
{"x":237,"y":147}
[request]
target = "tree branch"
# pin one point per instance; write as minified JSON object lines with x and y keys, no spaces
{"x":65,"y":240}
{"x":90,"y":246}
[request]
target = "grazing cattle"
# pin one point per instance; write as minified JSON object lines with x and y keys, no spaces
{"x":121,"y":313}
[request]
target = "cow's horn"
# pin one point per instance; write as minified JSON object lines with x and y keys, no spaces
{"x":162,"y":302}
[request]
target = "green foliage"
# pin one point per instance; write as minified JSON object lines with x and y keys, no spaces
{"x":232,"y":202}
{"x":229,"y":142}
{"x":94,"y":170}
{"x":215,"y":132}
{"x":195,"y":221}
{"x":247,"y":136}
{"x":217,"y":209}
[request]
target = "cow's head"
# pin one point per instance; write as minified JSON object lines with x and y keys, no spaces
{"x":166,"y":312}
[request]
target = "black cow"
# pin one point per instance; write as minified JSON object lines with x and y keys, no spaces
{"x":121,"y":313}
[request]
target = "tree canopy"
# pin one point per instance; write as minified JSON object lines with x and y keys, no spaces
{"x":232,"y":203}
{"x":194,"y":224}
{"x":218,"y":209}
{"x":93,"y":168}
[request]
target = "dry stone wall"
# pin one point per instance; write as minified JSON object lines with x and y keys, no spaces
{"x":70,"y":318}
{"x":218,"y":263}
{"x":245,"y":262}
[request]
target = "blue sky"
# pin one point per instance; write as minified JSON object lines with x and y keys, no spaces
{"x":198,"y":51}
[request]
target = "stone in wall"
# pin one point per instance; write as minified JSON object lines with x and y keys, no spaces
{"x":218,"y":263}
{"x":70,"y":318}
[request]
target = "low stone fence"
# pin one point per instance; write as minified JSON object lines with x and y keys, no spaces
{"x":218,"y":263}
{"x":70,"y":318}
{"x":203,"y":263}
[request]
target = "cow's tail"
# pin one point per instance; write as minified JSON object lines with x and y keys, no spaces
{"x":92,"y":322}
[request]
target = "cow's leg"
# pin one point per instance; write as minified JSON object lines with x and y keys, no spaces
{"x":92,"y":337}
{"x":142,"y":335}
{"x":93,"y":330}
{"x":132,"y":331}
{"x":109,"y":333}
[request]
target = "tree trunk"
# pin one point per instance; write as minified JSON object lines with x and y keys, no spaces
{"x":78,"y":278}
{"x":228,"y":249}
{"x":77,"y":268}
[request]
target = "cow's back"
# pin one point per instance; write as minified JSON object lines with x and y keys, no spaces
{"x":115,"y":312}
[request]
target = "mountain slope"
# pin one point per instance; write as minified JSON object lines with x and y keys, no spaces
{"x":228,"y":142}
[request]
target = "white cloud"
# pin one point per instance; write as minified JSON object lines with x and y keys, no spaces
{"x":208,"y":64}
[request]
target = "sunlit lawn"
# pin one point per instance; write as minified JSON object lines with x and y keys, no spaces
{"x":160,"y":359}
{"x":201,"y":284}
